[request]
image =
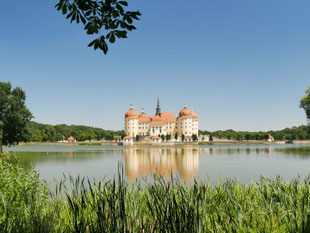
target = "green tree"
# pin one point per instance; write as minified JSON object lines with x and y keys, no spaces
{"x":14,"y":115}
{"x":305,"y":104}
{"x":176,"y":136}
{"x":247,"y":136}
{"x":123,"y":135}
{"x":194,"y":137}
{"x":58,"y":137}
{"x":168,"y":137}
{"x":1,"y":135}
{"x":106,"y":18}
{"x":211,"y":138}
{"x":183,"y":137}
{"x":109,"y":137}
{"x":162,"y":137}
{"x":137,"y":138}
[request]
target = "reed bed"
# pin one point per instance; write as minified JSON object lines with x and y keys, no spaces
{"x":79,"y":205}
{"x":90,"y":144}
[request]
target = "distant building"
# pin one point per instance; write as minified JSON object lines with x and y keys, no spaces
{"x":161,"y":123}
{"x":270,"y":138}
{"x":127,"y":140}
{"x":71,"y":139}
{"x":156,"y":139}
{"x":204,"y":138}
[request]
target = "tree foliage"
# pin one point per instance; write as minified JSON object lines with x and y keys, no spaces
{"x":294,"y":133}
{"x":107,"y":18}
{"x":14,"y":115}
{"x":51,"y":133}
{"x":305,"y":103}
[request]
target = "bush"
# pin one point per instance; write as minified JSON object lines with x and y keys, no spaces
{"x":23,"y":198}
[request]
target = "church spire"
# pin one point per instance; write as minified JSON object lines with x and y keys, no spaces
{"x":158,"y":111}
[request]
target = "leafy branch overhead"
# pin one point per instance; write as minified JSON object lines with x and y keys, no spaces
{"x":107,"y":18}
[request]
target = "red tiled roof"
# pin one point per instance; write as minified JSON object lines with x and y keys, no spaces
{"x":143,"y":117}
{"x":131,"y":114}
{"x":185,"y":112}
{"x":163,"y":119}
{"x":194,"y":115}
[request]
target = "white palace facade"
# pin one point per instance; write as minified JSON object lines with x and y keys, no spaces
{"x":161,"y":123}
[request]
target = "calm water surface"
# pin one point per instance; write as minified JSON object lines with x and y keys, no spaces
{"x":244,"y":162}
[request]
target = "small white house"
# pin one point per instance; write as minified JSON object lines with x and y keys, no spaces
{"x":270,"y":138}
{"x":71,"y":139}
{"x":128,"y":140}
{"x":203,"y":138}
{"x":156,"y":140}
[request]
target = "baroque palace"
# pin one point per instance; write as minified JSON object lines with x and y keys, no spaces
{"x":161,"y":123}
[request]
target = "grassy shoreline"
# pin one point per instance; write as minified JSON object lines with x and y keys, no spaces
{"x":269,"y":205}
{"x":250,"y":142}
{"x":90,"y":144}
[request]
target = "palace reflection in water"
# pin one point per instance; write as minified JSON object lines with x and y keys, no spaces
{"x":141,"y":162}
{"x":211,"y":162}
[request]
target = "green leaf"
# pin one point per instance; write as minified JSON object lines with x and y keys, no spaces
{"x":83,"y":19}
{"x":92,"y":43}
{"x":64,"y":9}
{"x":112,"y":38}
{"x":70,"y":15}
{"x":124,"y":3}
{"x":119,"y":7}
{"x":129,"y":20}
{"x":123,"y":24}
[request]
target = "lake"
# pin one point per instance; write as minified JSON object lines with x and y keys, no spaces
{"x":244,"y":162}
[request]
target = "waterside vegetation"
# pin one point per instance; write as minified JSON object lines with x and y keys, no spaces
{"x":79,"y":205}
{"x":205,"y":143}
{"x":52,"y":133}
{"x":295,"y":133}
{"x":39,"y":132}
{"x":90,"y":144}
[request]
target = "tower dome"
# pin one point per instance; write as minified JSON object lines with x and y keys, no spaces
{"x":185,"y":112}
{"x":194,"y":115}
{"x":143,"y":117}
{"x":131,"y":113}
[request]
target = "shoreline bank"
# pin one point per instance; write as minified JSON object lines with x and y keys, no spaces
{"x":220,"y":142}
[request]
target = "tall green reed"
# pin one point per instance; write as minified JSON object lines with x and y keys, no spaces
{"x":81,"y":205}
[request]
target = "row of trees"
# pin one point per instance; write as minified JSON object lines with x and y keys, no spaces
{"x":49,"y":133}
{"x":294,"y":133}
{"x":168,"y":137}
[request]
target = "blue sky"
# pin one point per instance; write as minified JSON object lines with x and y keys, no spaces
{"x":242,"y":64}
